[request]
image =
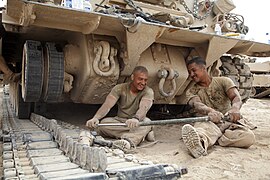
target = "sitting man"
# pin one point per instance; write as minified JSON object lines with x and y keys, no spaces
{"x":9,"y":76}
{"x":134,"y":99}
{"x":214,"y":97}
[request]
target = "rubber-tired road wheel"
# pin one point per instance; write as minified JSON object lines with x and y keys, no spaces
{"x":54,"y":73}
{"x":32,"y":71}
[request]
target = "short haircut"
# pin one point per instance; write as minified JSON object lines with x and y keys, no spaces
{"x":140,"y":69}
{"x":197,"y":60}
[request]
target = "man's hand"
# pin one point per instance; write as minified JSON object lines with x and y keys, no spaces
{"x":234,"y":114}
{"x":215,"y":116}
{"x":92,"y":123}
{"x":132,"y":123}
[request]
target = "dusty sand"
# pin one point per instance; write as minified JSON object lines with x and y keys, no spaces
{"x":221,"y":162}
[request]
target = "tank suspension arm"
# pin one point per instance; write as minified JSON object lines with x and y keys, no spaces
{"x":104,"y":62}
{"x":170,"y":74}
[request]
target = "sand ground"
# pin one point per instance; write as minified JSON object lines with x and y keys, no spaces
{"x":221,"y":162}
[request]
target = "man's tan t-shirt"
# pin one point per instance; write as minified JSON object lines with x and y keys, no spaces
{"x":215,"y":95}
{"x":128,"y":103}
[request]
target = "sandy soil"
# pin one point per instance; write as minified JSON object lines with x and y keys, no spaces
{"x":221,"y":162}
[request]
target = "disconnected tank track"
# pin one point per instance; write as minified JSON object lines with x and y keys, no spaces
{"x":49,"y":149}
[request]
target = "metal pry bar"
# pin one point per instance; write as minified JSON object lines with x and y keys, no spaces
{"x":168,"y":121}
{"x":163,"y":122}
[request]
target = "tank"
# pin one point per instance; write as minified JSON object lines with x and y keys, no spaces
{"x":76,"y":51}
{"x":261,"y":76}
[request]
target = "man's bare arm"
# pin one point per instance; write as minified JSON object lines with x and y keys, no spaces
{"x":196,"y":103}
{"x":235,"y":98}
{"x":236,"y":101}
{"x":102,"y":111}
{"x":144,"y":107}
{"x":106,"y":106}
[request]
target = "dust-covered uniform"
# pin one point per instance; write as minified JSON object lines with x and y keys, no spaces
{"x":128,"y":105}
{"x":225,"y":133}
{"x":9,"y":76}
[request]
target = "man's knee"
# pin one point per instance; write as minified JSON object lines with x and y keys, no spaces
{"x":146,"y":119}
{"x":109,"y":120}
{"x":242,"y":139}
{"x":248,"y":139}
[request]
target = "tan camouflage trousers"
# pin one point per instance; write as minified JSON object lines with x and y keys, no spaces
{"x":135,"y":135}
{"x":225,"y":134}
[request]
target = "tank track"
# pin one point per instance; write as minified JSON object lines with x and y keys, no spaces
{"x":239,"y":72}
{"x":48,"y":149}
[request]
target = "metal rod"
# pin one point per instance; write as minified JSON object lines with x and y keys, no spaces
{"x":163,"y":122}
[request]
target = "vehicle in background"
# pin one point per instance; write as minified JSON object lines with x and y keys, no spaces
{"x":261,"y":78}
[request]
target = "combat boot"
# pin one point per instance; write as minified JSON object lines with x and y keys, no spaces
{"x":150,"y":136}
{"x":192,"y":141}
{"x":122,"y":144}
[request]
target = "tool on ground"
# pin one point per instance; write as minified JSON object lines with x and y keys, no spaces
{"x":103,"y":142}
{"x":167,"y":121}
{"x":90,"y":138}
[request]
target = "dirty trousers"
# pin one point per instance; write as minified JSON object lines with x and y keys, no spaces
{"x":135,"y":135}
{"x":226,"y":134}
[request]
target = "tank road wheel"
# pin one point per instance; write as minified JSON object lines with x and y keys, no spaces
{"x":32,"y":71}
{"x":22,"y":109}
{"x":54,"y":73}
{"x":239,"y":72}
